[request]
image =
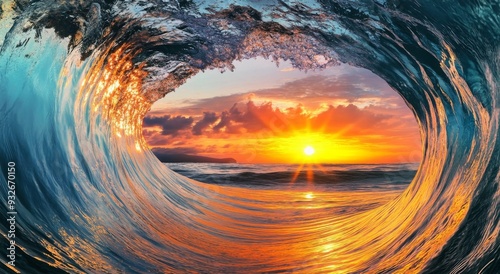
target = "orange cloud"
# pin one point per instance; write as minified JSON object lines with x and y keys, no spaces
{"x":349,"y":117}
{"x":265,"y":128}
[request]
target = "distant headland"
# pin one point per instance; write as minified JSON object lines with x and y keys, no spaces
{"x":167,"y":157}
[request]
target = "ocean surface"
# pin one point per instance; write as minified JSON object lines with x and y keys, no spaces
{"x":324,"y":177}
{"x":78,"y":77}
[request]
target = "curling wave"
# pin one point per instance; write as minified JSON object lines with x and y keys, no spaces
{"x":78,"y":77}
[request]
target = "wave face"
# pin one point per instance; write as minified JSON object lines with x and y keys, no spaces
{"x":77,"y":78}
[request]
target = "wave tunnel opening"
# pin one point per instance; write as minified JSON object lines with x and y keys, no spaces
{"x":79,"y":78}
{"x":269,"y":125}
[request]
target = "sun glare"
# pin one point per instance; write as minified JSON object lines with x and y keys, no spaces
{"x":309,"y":150}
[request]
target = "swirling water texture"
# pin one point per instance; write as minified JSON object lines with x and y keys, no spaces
{"x":77,"y":77}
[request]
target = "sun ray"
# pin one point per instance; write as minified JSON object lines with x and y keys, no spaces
{"x":297,"y":173}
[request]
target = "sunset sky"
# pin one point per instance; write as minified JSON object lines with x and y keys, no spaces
{"x":261,"y":113}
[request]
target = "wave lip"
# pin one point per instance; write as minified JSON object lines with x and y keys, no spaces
{"x":91,"y":188}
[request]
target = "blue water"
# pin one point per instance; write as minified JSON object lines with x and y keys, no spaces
{"x":78,"y":77}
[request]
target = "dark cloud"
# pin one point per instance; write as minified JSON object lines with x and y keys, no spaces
{"x":155,"y":138}
{"x":225,"y":121}
{"x":170,"y":125}
{"x":148,"y":133}
{"x":208,"y":119}
{"x":251,"y":119}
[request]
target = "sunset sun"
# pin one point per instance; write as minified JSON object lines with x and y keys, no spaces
{"x":309,"y":150}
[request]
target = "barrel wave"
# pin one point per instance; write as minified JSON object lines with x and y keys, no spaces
{"x":77,"y":78}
